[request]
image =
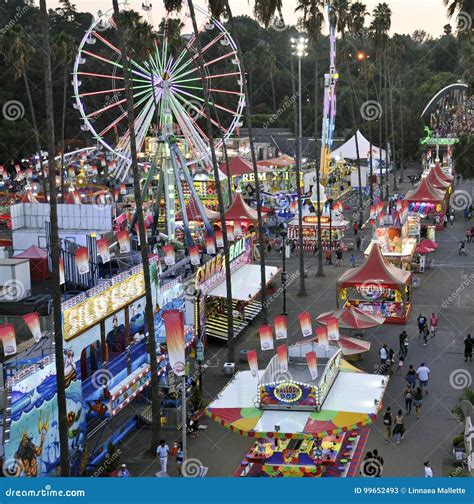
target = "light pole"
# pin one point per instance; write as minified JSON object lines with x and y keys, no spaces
{"x":330,"y":202}
{"x":299,"y":46}
{"x":283,"y":234}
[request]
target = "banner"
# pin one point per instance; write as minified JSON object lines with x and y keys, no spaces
{"x":282,"y":352}
{"x":103,"y":249}
{"x":253,"y":362}
{"x":62,"y":279}
{"x":219,"y":239}
{"x":82,"y":260}
{"x":281,"y":331}
{"x":266,"y":337}
{"x":123,"y":189}
{"x":312,"y":361}
{"x":305,"y":323}
{"x":124,"y":240}
{"x":210,"y":245}
{"x":33,"y":323}
{"x":170,"y":256}
{"x":237,"y":230}
{"x":174,"y":327}
{"x":322,"y":335}
{"x":230,"y":232}
{"x":8,"y":338}
{"x":194,"y":256}
{"x":137,"y":232}
{"x":333,"y":328}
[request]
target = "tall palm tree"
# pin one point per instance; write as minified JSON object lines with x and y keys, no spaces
{"x":17,"y":51}
{"x":220,"y":198}
{"x":312,"y":22}
{"x":155,"y":399}
{"x":63,"y":51}
{"x":265,"y":10}
{"x":55,"y":252}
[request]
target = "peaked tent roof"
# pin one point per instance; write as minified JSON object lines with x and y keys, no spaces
{"x":239,"y":210}
{"x":32,"y":252}
{"x":441,"y":174}
{"x":375,"y":270}
{"x":238,"y":166}
{"x":72,"y":198}
{"x":348,"y":150}
{"x":436,"y":181}
{"x":423,"y":191}
{"x":351,"y":318}
{"x":28,"y":197}
{"x":281,"y":161}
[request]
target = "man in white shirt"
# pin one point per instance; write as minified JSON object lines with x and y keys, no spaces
{"x":423,"y":375}
{"x":383,"y":352}
{"x":163,"y":451}
{"x":139,"y":336}
{"x":428,"y":470}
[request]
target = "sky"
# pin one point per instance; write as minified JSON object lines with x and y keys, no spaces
{"x":407,"y":15}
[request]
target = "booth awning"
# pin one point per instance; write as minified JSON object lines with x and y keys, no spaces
{"x":435,"y":181}
{"x":351,"y":317}
{"x":348,"y":150}
{"x":375,"y":270}
{"x":245,"y":282}
{"x":240,"y":211}
{"x":239,"y":166}
{"x":424,"y":192}
{"x":282,"y":161}
{"x":441,"y":174}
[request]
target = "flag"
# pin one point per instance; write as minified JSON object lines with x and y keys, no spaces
{"x":124,"y":240}
{"x":253,"y":362}
{"x":282,"y":352}
{"x":281,"y":331}
{"x":103,"y":249}
{"x":230,"y":232}
{"x":333,"y":328}
{"x":305,"y":323}
{"x":312,"y":361}
{"x":266,"y":337}
{"x":137,"y":231}
{"x":170,"y":256}
{"x":8,"y":338}
{"x":174,"y":328}
{"x":194,"y":255}
{"x":33,"y":323}
{"x":322,"y":334}
{"x":219,"y":239}
{"x":82,"y":260}
{"x":123,"y":189}
{"x":210,"y":245}
{"x":62,"y":279}
{"x":237,"y":229}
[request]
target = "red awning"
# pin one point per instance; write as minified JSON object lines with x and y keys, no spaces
{"x":375,"y":270}
{"x":437,"y":182}
{"x":240,"y":211}
{"x":239,"y":166}
{"x":441,"y":174}
{"x":351,"y":317}
{"x":281,"y":161}
{"x":426,"y":246}
{"x":32,"y":252}
{"x":424,"y":192}
{"x":28,"y":197}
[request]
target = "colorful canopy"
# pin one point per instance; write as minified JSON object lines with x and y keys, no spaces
{"x":353,"y":346}
{"x":429,"y":243}
{"x":375,"y":270}
{"x":441,"y":174}
{"x":424,"y":192}
{"x":238,"y":166}
{"x":240,"y":211}
{"x":437,"y":182}
{"x":426,"y":247}
{"x":281,"y":161}
{"x":351,"y":317}
{"x":33,"y":252}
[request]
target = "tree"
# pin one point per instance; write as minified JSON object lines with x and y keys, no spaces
{"x":63,"y":51}
{"x":264,"y":10}
{"x":55,"y":250}
{"x":150,"y":323}
{"x":312,"y":22}
{"x":16,"y":49}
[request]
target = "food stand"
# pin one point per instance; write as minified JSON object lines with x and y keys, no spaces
{"x":429,"y":203}
{"x":331,"y":228}
{"x":378,"y":288}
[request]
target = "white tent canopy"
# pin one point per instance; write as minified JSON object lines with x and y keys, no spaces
{"x":348,"y":150}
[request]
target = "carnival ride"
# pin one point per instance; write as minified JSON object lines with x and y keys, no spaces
{"x":169,"y":102}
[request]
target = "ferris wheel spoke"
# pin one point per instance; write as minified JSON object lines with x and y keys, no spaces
{"x":100,"y":76}
{"x":92,"y":93}
{"x":195,"y":79}
{"x":100,"y":58}
{"x":107,"y":107}
{"x":107,"y":43}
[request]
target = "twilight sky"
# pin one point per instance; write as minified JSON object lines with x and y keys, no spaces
{"x":407,"y":15}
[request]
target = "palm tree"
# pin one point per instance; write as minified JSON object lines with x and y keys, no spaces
{"x":55,"y":252}
{"x":155,"y":399}
{"x":63,"y":51}
{"x":312,"y":22}
{"x":265,"y":10}
{"x":16,"y":49}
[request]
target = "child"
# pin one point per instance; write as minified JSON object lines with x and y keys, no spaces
{"x":401,"y":359}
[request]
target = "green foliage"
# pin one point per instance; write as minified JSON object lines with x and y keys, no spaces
{"x":458,"y":441}
{"x":463,"y":154}
{"x":466,"y":395}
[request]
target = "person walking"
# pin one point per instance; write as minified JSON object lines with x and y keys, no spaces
{"x":358,"y":242}
{"x":418,"y":401}
{"x":410,"y":377}
{"x":428,"y":470}
{"x":401,"y":340}
{"x":163,"y":451}
{"x":462,"y":248}
{"x":353,"y":261}
{"x":356,"y":228}
{"x":383,"y":352}
{"x":123,"y":472}
{"x":433,"y":324}
{"x":408,"y":395}
{"x":451,"y":220}
{"x":387,"y":424}
{"x":469,"y":235}
{"x":445,"y":220}
{"x":179,"y":458}
{"x":399,"y":428}
{"x":338,"y":257}
{"x":421,"y":323}
{"x":423,"y":375}
{"x":401,"y":360}
{"x":468,"y":342}
{"x":425,"y":332}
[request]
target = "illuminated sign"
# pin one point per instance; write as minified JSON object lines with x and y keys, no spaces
{"x":288,"y":392}
{"x":431,"y":140}
{"x":89,"y":312}
{"x":313,"y":219}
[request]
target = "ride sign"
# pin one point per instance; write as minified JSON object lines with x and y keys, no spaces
{"x":288,"y":392}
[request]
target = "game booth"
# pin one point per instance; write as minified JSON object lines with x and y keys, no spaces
{"x":308,"y":412}
{"x":378,"y":288}
{"x":429,"y":203}
{"x":210,"y":284}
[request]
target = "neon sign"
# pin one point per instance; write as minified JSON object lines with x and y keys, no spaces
{"x":288,"y":392}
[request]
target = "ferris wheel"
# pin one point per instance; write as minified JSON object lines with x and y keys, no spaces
{"x":167,"y":90}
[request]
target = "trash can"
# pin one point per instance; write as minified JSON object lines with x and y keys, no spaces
{"x":229,"y":368}
{"x":243,"y":355}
